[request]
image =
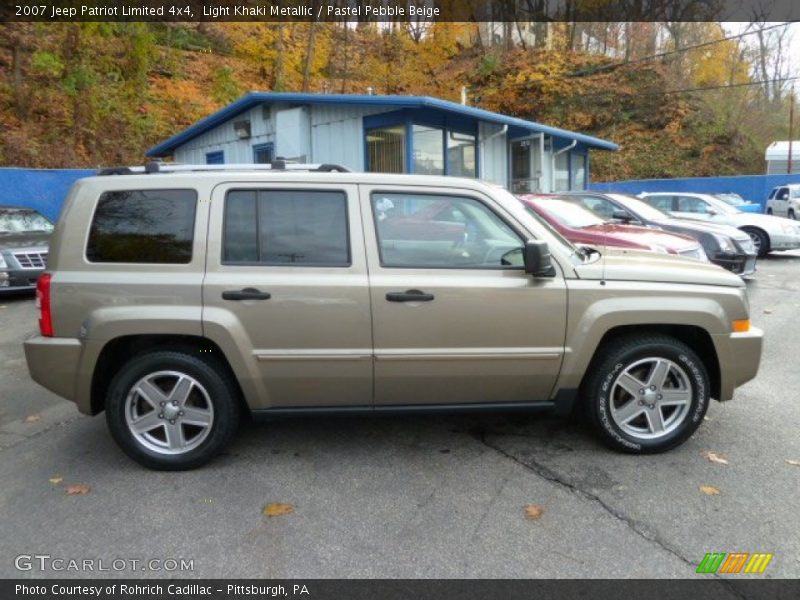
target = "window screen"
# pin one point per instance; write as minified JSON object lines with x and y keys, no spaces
{"x":143,"y":226}
{"x":298,"y":227}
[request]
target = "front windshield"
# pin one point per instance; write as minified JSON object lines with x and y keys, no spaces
{"x":568,"y":247}
{"x":720,"y":206}
{"x":643,"y":209}
{"x":570,"y":214}
{"x":23,"y":220}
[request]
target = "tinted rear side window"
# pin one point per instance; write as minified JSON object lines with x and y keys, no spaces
{"x":297,"y":227}
{"x":143,"y":226}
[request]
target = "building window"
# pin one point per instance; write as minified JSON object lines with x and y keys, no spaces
{"x":143,"y":226}
{"x":215,"y":158}
{"x":263,"y":153}
{"x":282,"y":227}
{"x":561,"y":172}
{"x":386,"y":149}
{"x":578,"y":168}
{"x":461,"y":155}
{"x":428,"y":150}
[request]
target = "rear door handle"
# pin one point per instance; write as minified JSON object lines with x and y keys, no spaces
{"x":409,"y":296}
{"x":246,"y":294}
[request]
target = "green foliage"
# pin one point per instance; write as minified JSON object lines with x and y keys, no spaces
{"x":225,"y":89}
{"x":46,"y":64}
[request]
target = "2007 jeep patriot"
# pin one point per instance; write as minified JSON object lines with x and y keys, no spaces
{"x":177,"y":300}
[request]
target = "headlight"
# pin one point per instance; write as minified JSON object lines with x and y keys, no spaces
{"x":725,"y":243}
{"x":658,"y":248}
{"x":3,"y":264}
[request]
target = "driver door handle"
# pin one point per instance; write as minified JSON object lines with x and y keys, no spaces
{"x":246,"y":294}
{"x":409,"y":296}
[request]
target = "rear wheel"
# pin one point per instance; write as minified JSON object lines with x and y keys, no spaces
{"x":646,"y":394}
{"x":791,"y":214}
{"x":171,"y":410}
{"x":760,"y":240}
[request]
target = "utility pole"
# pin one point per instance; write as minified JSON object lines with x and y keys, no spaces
{"x":791,"y":131}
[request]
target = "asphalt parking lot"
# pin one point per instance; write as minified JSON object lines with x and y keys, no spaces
{"x":426,"y":496}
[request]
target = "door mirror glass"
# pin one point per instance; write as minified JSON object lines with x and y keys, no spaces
{"x":621,"y":215}
{"x":537,"y":259}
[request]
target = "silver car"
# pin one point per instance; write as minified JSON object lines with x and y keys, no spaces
{"x":769,"y":233}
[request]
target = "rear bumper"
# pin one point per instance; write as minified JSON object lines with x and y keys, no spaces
{"x":739,"y":357}
{"x":54,"y":363}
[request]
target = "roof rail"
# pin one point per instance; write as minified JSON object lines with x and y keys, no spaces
{"x":278,"y":164}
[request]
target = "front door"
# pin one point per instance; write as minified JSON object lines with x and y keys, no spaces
{"x":286,"y":282}
{"x":455,"y":317}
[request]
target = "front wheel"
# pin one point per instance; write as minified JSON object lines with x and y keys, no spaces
{"x":646,"y":394}
{"x":792,"y":215}
{"x":172,"y":411}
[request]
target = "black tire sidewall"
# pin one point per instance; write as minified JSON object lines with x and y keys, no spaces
{"x":614,"y":365}
{"x":220,"y":392}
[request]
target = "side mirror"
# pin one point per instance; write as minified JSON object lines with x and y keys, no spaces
{"x":621,"y":215}
{"x":537,"y":259}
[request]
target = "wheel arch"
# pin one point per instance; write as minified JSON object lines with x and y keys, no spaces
{"x":121,"y":349}
{"x":697,"y":338}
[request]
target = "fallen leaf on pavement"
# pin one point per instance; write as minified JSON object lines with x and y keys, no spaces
{"x":714,"y":457}
{"x":534,"y":512}
{"x":709,"y":490}
{"x":77,"y":489}
{"x":56,"y":480}
{"x":794,"y":463}
{"x":33,"y":419}
{"x":277,"y":509}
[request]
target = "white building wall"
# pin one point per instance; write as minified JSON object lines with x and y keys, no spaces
{"x":337,"y":133}
{"x":493,"y":153}
{"x":223,"y":137}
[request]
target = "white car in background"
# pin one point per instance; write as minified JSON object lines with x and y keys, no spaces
{"x":768,"y":232}
{"x":784,"y":201}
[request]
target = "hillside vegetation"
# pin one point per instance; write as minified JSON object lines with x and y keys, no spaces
{"x":90,"y":94}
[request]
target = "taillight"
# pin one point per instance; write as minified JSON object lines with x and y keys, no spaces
{"x":43,"y":304}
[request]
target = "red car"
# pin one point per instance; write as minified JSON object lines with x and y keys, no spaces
{"x":580,"y":226}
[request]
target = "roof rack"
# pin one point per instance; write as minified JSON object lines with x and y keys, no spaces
{"x":279,"y":164}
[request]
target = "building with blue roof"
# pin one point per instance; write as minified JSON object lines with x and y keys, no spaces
{"x":389,"y":134}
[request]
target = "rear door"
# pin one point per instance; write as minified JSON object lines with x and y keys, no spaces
{"x":455,"y":318}
{"x":286,"y":282}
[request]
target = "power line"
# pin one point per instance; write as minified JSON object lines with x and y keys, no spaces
{"x":602,"y":68}
{"x":700,"y":89}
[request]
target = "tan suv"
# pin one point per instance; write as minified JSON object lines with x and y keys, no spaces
{"x":177,"y":299}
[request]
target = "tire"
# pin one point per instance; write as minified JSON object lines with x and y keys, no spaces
{"x":653,"y":421}
{"x":791,"y":215}
{"x":186,"y":409}
{"x":760,"y":239}
{"x":769,"y":211}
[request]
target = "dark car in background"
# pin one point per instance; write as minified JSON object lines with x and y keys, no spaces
{"x":581,"y":226}
{"x":726,"y":246}
{"x":24,"y":238}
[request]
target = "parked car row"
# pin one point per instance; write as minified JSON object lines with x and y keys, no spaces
{"x":619,"y":220}
{"x":768,"y":232}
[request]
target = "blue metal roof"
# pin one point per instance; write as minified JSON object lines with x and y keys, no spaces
{"x":255,"y":98}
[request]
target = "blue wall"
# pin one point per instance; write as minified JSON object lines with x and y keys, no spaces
{"x":754,"y":188}
{"x":42,"y":189}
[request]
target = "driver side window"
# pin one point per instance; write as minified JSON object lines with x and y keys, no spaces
{"x":692,"y":205}
{"x":439,"y":231}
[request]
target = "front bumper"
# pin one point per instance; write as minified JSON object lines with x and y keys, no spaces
{"x":738,"y":263}
{"x":783,"y":241}
{"x":739,"y":357}
{"x":19,"y":279}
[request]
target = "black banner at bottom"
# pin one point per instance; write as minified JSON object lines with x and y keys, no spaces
{"x":713,"y":588}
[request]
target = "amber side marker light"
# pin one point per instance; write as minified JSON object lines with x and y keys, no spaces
{"x":741,"y":326}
